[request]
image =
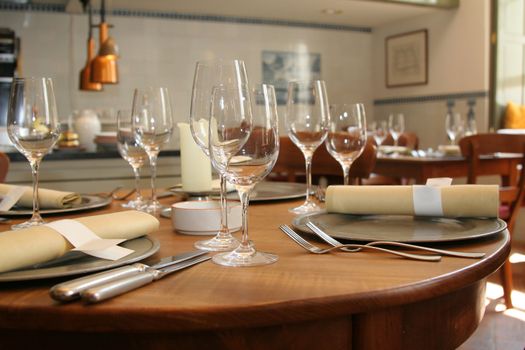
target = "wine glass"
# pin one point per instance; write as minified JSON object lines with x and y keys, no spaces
{"x":132,"y":153}
{"x":248,"y":166}
{"x":346,"y":137}
{"x":306,"y":123}
{"x":454,"y":126}
{"x":396,"y":126}
{"x":33,"y":127}
{"x":152,"y":127}
{"x":379,"y":131}
{"x":211,"y":76}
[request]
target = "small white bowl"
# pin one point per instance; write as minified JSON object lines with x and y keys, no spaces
{"x":203,"y":217}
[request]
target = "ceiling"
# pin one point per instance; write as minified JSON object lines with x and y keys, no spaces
{"x":367,"y":13}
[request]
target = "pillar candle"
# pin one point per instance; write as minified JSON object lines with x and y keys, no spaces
{"x":195,"y":165}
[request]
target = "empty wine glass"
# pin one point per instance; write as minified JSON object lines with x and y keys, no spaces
{"x":132,"y":153}
{"x":454,"y":125}
{"x":346,"y":137}
{"x":152,"y":128}
{"x":396,"y":126}
{"x":210,"y":77}
{"x":306,"y":124}
{"x":379,"y":131}
{"x":33,"y":127}
{"x":248,"y":166}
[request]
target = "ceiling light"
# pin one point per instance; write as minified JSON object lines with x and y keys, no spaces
{"x":104,"y":67}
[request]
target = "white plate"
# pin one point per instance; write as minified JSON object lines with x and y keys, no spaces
{"x":88,"y":202}
{"x":143,"y":246}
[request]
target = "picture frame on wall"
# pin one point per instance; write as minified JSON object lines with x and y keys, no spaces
{"x":407,"y":59}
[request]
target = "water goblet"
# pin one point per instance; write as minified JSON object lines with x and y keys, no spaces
{"x":33,"y":127}
{"x":152,"y":127}
{"x":346,"y":137}
{"x":247,"y":167}
{"x":210,"y":77}
{"x":131,"y":151}
{"x":306,"y":123}
{"x":454,"y":125}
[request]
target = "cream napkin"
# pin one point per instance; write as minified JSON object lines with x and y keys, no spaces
{"x":39,"y":244}
{"x":48,"y":199}
{"x":456,"y":200}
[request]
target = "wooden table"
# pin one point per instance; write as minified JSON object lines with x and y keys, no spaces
{"x":422,"y":168}
{"x":304,"y":301}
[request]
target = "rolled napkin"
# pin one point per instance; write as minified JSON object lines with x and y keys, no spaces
{"x":39,"y":244}
{"x":456,"y":200}
{"x":48,"y":199}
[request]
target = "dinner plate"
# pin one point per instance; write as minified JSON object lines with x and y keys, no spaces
{"x":89,"y":201}
{"x":272,"y":191}
{"x":80,"y":263}
{"x":400,"y":228}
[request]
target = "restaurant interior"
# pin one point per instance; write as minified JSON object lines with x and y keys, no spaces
{"x":336,"y":173}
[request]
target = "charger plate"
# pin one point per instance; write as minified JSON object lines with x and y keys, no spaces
{"x":75,"y":263}
{"x":400,"y":228}
{"x":88,"y":202}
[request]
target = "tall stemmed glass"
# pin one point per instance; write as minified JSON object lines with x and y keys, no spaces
{"x":247,"y":167}
{"x":346,"y":137}
{"x":396,"y":126}
{"x":152,"y":127}
{"x":454,"y":125}
{"x":33,"y":127}
{"x":379,"y":130}
{"x":306,"y":123}
{"x":211,"y":77}
{"x":132,"y":153}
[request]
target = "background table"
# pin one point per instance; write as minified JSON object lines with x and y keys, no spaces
{"x":337,"y":301}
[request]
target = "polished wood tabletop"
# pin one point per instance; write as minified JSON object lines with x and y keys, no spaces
{"x":366,"y":300}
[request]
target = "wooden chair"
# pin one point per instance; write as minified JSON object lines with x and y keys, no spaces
{"x":4,"y":166}
{"x":511,"y":194}
{"x":290,"y":165}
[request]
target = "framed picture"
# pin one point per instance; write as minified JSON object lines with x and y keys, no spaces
{"x":407,"y":59}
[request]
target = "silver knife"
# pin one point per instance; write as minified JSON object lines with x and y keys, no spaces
{"x":123,"y":285}
{"x":71,"y":290}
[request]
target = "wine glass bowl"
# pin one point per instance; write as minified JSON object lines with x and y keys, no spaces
{"x":152,"y":127}
{"x":306,"y":123}
{"x":346,"y":137}
{"x":131,"y":151}
{"x":247,"y":167}
{"x":33,"y":127}
{"x":454,"y":126}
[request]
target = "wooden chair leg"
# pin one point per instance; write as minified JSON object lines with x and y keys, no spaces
{"x":506,"y":279}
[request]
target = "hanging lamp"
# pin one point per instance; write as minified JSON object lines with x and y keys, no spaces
{"x":85,"y":74}
{"x":104,"y":67}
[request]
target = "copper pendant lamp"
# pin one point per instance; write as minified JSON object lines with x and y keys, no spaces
{"x":85,"y":74}
{"x":104,"y":67}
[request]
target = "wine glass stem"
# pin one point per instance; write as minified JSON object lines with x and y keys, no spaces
{"x":308,"y":161}
{"x":244,"y":195}
{"x":153,"y":162}
{"x":35,"y":167}
{"x":136,"y":171}
{"x":224,"y":207}
{"x":346,"y":173}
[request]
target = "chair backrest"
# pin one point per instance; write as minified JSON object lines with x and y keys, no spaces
{"x":472,"y":147}
{"x":291,"y":163}
{"x":408,"y":139}
{"x":4,"y":166}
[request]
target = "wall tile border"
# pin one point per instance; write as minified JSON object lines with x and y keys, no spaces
{"x":46,"y":7}
{"x":430,"y":98}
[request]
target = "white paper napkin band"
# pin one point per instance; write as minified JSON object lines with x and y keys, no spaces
{"x":11,"y":198}
{"x":85,"y":240}
{"x":427,"y":198}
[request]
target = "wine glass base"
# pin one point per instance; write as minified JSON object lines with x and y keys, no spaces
{"x":305,"y":208}
{"x":240,"y":259}
{"x":29,"y":223}
{"x":134,"y":204}
{"x":218,"y":243}
{"x":153,"y":208}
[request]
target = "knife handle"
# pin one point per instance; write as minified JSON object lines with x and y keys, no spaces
{"x":71,"y":290}
{"x":121,"y":286}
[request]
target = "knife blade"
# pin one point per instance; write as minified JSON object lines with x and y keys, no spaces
{"x":123,"y":285}
{"x":71,"y":290}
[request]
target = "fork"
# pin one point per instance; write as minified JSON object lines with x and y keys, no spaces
{"x":357,"y":247}
{"x":332,"y":241}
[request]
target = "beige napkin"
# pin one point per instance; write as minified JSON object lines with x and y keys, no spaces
{"x":456,"y":200}
{"x":48,"y":199}
{"x":40,"y":244}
